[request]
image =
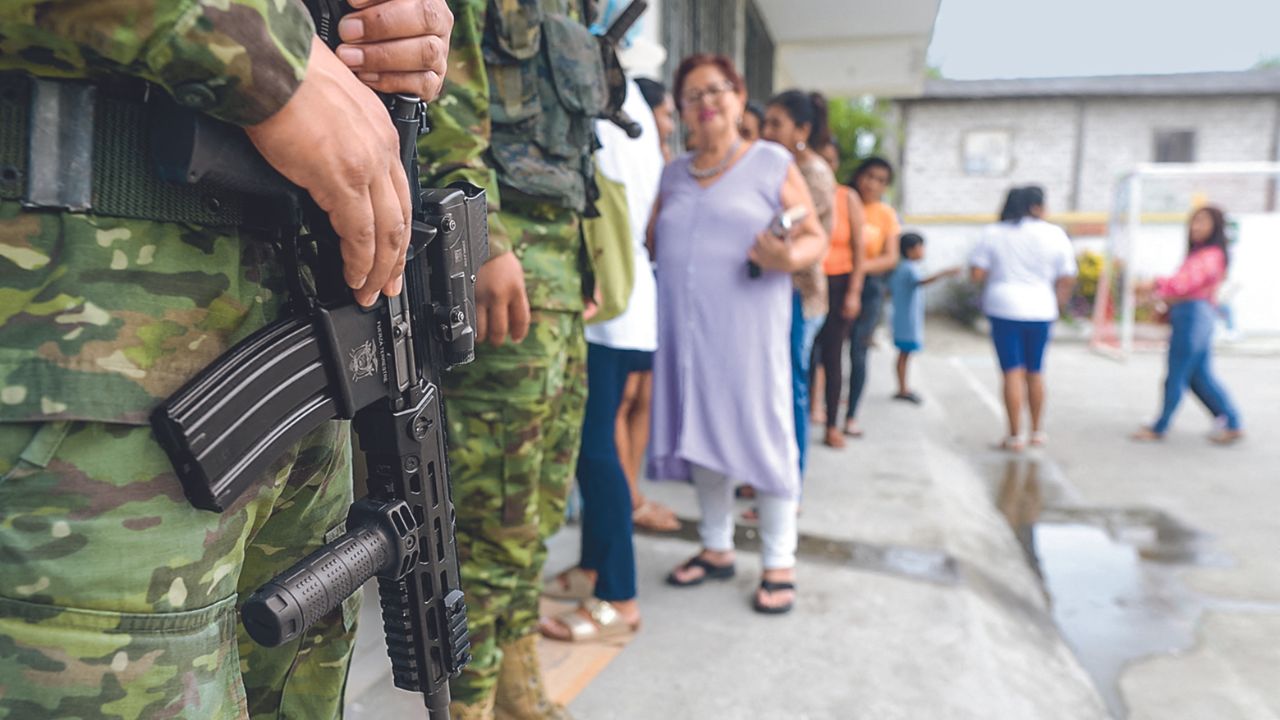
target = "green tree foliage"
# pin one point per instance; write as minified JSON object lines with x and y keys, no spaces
{"x":859,"y":127}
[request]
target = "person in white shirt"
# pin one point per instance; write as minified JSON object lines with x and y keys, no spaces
{"x":619,"y":375}
{"x":1029,"y":269}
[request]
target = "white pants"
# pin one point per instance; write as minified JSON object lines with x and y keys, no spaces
{"x":777,"y":519}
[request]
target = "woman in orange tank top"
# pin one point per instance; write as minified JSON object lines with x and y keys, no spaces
{"x":843,"y":267}
{"x":880,"y":245}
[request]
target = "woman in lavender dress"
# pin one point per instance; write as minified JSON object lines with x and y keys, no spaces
{"x":722,"y":399}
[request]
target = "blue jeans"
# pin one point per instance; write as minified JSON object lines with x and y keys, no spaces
{"x":1190,"y":355}
{"x":803,"y":333}
{"x":607,"y":546}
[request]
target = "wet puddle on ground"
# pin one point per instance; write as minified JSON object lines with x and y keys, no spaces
{"x":1111,"y":575}
{"x":910,"y":563}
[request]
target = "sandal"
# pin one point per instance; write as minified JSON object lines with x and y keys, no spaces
{"x":833,"y":438}
{"x":1146,"y":434}
{"x":1226,"y":437}
{"x":1012,"y":444}
{"x":710,"y":571}
{"x":1039,"y":439}
{"x":909,"y":397}
{"x":604,"y":622}
{"x":572,"y":584}
{"x":852,"y":428}
{"x":770,"y":586}
{"x":654,"y":517}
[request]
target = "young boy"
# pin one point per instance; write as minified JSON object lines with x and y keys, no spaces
{"x":905,"y":284}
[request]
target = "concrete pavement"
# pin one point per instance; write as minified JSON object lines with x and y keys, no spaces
{"x":914,"y":601}
{"x":1161,"y":558}
{"x":919,"y":576}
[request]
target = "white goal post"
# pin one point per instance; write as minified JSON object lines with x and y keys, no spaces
{"x":1113,"y":328}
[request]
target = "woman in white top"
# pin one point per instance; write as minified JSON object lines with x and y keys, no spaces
{"x":619,"y":374}
{"x":1029,"y":269}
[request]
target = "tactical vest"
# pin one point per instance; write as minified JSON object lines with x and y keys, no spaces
{"x":546,"y":87}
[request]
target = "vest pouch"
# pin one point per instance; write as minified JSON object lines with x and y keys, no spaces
{"x":513,"y":40}
{"x":523,"y":166}
{"x":577,"y":80}
{"x":547,"y":86}
{"x":576,"y":68}
{"x":516,"y":26}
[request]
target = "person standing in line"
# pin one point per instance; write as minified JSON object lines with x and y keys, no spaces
{"x":515,"y":413}
{"x":906,"y":287}
{"x":1028,"y":268}
{"x":722,"y":401}
{"x":118,"y":598}
{"x":753,"y":121}
{"x":1190,"y":294}
{"x":843,"y":267}
{"x":871,"y":180}
{"x":664,"y":110}
{"x":637,"y":394}
{"x":618,"y":351}
{"x":798,"y":121}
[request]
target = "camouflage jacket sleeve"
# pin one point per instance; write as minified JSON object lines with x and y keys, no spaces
{"x":455,"y":148}
{"x":238,"y":60}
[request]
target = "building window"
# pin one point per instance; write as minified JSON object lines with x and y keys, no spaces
{"x":1175,"y":146}
{"x":987,"y":153}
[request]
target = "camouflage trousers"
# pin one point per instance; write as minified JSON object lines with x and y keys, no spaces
{"x":515,"y":418}
{"x":118,"y":599}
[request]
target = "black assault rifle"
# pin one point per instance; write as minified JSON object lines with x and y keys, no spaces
{"x":332,"y":359}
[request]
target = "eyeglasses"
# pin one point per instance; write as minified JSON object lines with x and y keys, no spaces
{"x":693,"y":97}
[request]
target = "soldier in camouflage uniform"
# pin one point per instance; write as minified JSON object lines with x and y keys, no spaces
{"x":515,"y":117}
{"x":118,"y":599}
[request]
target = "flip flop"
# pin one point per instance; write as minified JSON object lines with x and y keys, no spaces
{"x":771,"y":587}
{"x":1226,"y":437}
{"x":655,"y":517}
{"x":572,"y":584}
{"x":710,"y":571}
{"x":833,"y":438}
{"x":605,"y":622}
{"x":1012,"y":444}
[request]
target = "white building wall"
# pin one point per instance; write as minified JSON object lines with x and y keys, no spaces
{"x":934,"y":181}
{"x":1120,"y":133}
{"x":1117,"y":135}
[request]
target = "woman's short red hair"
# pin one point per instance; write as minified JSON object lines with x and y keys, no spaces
{"x":695,"y":61}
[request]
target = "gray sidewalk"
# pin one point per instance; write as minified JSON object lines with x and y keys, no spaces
{"x":916,"y":598}
{"x":914,"y":601}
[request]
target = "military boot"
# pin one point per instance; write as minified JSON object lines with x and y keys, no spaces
{"x":521,"y":693}
{"x":482,"y":710}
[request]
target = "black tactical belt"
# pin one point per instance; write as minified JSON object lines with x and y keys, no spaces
{"x":91,"y":147}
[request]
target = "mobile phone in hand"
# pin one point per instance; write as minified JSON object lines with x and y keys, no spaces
{"x":780,"y":227}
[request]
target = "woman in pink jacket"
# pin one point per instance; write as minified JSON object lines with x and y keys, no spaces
{"x":1189,"y":294}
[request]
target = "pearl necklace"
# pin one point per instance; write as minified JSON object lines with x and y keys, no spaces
{"x":717,"y":168}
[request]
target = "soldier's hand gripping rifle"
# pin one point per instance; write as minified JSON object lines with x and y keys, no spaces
{"x":378,"y":366}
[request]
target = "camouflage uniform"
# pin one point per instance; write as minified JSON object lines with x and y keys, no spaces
{"x":515,"y":414}
{"x":117,"y":597}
